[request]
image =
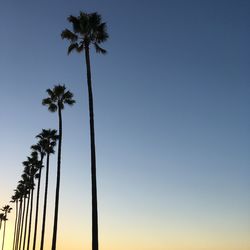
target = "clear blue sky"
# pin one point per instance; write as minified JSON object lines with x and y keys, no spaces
{"x":172,"y":109}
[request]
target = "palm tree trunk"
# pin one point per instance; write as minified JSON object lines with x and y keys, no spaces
{"x":58,"y":180}
{"x":26,"y":220}
{"x":22,"y":221}
{"x":4,"y":227}
{"x":30,"y":219}
{"x":93,"y":155}
{"x":19,"y":223}
{"x":37,"y":204}
{"x":15,"y":229}
{"x":45,"y":202}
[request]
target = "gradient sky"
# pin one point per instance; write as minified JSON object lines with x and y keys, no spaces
{"x":172,"y":100}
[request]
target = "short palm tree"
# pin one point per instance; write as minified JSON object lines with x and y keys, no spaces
{"x":47,"y":142}
{"x":6,"y":209}
{"x":88,"y":29}
{"x":58,"y":97}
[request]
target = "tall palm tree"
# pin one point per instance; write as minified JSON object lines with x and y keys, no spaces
{"x":47,"y":142}
{"x":88,"y":29}
{"x":39,"y":148}
{"x":6,"y":209}
{"x":26,"y":195}
{"x":14,"y":199}
{"x":58,"y":97}
{"x":32,"y":164}
{"x":22,"y":191}
{"x":21,"y":188}
{"x":23,"y":182}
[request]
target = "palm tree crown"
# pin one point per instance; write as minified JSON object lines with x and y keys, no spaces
{"x":58,"y":96}
{"x":47,"y":141}
{"x":87,"y":29}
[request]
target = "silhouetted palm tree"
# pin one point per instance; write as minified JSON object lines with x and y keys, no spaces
{"x":14,"y":199}
{"x":39,"y":148}
{"x":47,"y":142}
{"x":32,"y":164}
{"x":1,"y":219}
{"x":6,"y":209}
{"x":22,"y":194}
{"x":26,"y":195}
{"x":24,"y":181}
{"x":88,"y":29}
{"x":58,"y":97}
{"x":21,"y":189}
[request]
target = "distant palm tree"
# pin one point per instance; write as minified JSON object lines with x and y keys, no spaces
{"x":14,"y":199}
{"x":1,"y":219}
{"x":39,"y":148}
{"x":33,"y":164}
{"x":58,"y":97}
{"x":47,"y":142}
{"x":23,"y":182}
{"x":26,"y":195}
{"x":88,"y":29}
{"x":21,"y":189}
{"x":6,"y":209}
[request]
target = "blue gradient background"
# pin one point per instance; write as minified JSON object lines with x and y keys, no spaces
{"x":172,"y":100}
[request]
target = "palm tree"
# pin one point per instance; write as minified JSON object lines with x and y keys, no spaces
{"x":1,"y":219}
{"x":32,"y":164}
{"x":39,"y":148}
{"x":21,"y":189}
{"x":88,"y":29}
{"x":26,"y":195}
{"x":47,"y":142}
{"x":58,"y":97}
{"x":6,"y":209}
{"x":23,"y":182}
{"x":14,"y":199}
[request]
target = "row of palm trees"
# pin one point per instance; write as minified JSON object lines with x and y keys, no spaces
{"x":88,"y":29}
{"x":23,"y":196}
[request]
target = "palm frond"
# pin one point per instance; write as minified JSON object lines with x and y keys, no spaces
{"x":70,"y":102}
{"x":94,"y":20}
{"x":101,"y":34}
{"x":46,"y":101}
{"x":52,"y":107}
{"x":67,"y":34}
{"x":99,"y":49}
{"x":75,"y":22}
{"x":72,"y":46}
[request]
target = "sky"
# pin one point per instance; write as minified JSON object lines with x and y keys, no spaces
{"x":172,"y":118}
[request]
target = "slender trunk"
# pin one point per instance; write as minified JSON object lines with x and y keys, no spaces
{"x":4,"y":227}
{"x":26,"y":220}
{"x":30,"y":219}
{"x":45,"y":202}
{"x":15,"y":229}
{"x":19,"y":223}
{"x":93,"y":155}
{"x":22,"y":221}
{"x":58,"y":180}
{"x":37,"y":204}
